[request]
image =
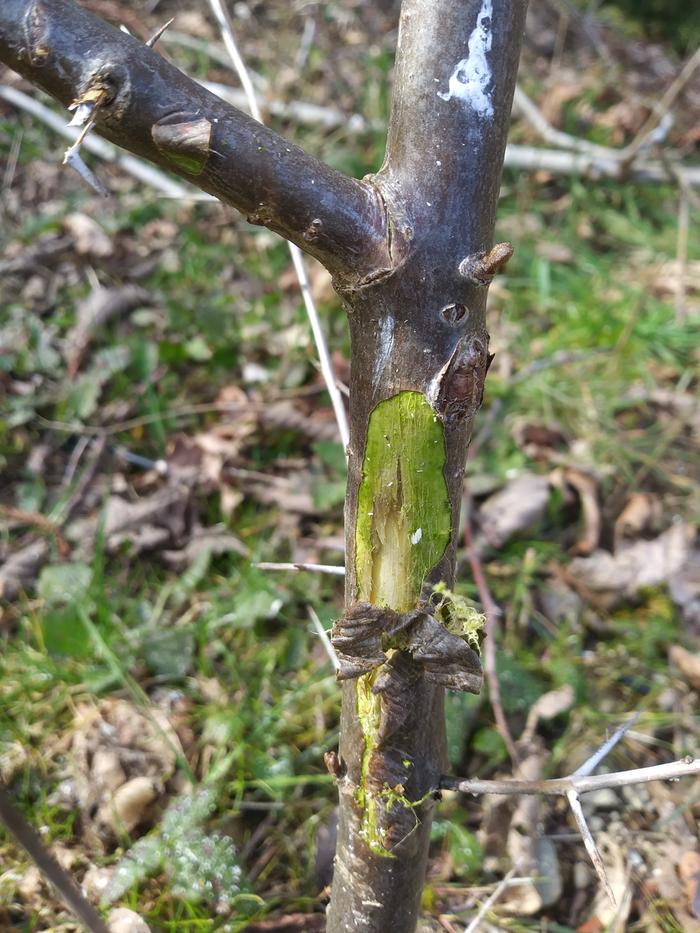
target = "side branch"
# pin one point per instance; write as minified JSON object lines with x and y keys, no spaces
{"x":579,"y":784}
{"x":152,"y":109}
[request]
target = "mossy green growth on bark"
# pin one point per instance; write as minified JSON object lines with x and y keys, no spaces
{"x":403,"y":527}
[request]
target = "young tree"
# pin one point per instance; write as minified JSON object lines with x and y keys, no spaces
{"x":410,"y":251}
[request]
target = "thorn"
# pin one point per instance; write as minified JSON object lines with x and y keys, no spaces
{"x":592,"y":763}
{"x":480,"y":268}
{"x":72,"y":158}
{"x":158,"y":33}
{"x":589,"y":842}
{"x":85,"y":115}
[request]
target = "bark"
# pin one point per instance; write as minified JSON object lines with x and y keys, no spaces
{"x":410,"y":251}
{"x":440,"y":183}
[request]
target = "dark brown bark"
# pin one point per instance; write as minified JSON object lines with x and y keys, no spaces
{"x":411,"y":253}
{"x":65,"y":50}
{"x":440,"y":182}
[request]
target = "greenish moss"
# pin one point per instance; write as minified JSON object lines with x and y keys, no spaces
{"x":459,"y":617}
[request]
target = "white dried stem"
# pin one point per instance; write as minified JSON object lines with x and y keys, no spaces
{"x":325,"y":640}
{"x":560,"y":787}
{"x":589,"y":766}
{"x":334,"y":569}
{"x":589,"y":842}
{"x":490,"y":900}
{"x":227,"y":34}
{"x":101,"y":148}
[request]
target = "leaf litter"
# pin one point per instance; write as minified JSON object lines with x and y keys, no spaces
{"x":220,"y":482}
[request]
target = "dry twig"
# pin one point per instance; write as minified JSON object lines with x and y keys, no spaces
{"x":582,"y":782}
{"x":334,"y":569}
{"x":491,"y":612}
{"x":27,"y":837}
{"x":325,"y":640}
{"x":227,"y":34}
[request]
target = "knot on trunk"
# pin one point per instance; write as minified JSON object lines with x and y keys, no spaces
{"x":436,"y":643}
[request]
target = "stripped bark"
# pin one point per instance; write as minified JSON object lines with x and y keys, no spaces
{"x":411,"y":253}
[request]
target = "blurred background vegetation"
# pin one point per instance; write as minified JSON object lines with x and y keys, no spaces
{"x":164,"y":703}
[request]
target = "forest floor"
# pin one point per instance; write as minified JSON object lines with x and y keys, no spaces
{"x":165,"y":704}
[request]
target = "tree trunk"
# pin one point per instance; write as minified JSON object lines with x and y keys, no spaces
{"x":418,"y":335}
{"x":410,"y":252}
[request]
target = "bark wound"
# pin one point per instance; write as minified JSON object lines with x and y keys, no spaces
{"x":185,"y":140}
{"x":458,"y":389}
{"x":312,"y":231}
{"x":391,"y":637}
{"x":35,"y":27}
{"x":366,"y":636}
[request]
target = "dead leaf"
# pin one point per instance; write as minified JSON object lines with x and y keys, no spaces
{"x":100,"y":306}
{"x":687,"y":663}
{"x":210,"y":540}
{"x":88,"y":236}
{"x":148,"y":522}
{"x":684,"y":588}
{"x":642,"y":511}
{"x":587,"y":488}
{"x":689,"y":871}
{"x":20,"y":569}
{"x":516,"y":508}
{"x":613,"y":917}
{"x":550,"y":704}
{"x":644,"y":564}
{"x":555,"y":252}
{"x":540,"y":441}
{"x":123,"y":920}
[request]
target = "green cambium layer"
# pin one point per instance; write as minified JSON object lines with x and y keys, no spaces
{"x":403,"y":510}
{"x":403,"y":527}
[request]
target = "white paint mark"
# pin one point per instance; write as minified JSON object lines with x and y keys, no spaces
{"x":471,"y":79}
{"x":386,"y":345}
{"x":416,"y":536}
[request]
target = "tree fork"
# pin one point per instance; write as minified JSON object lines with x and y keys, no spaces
{"x":411,"y":252}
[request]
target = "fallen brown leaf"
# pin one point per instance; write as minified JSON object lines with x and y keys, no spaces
{"x":687,"y":663}
{"x":644,"y":564}
{"x":689,"y":871}
{"x":587,"y":488}
{"x":641,"y":512}
{"x":514,"y":509}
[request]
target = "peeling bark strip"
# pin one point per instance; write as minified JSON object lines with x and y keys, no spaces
{"x":396,"y":244}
